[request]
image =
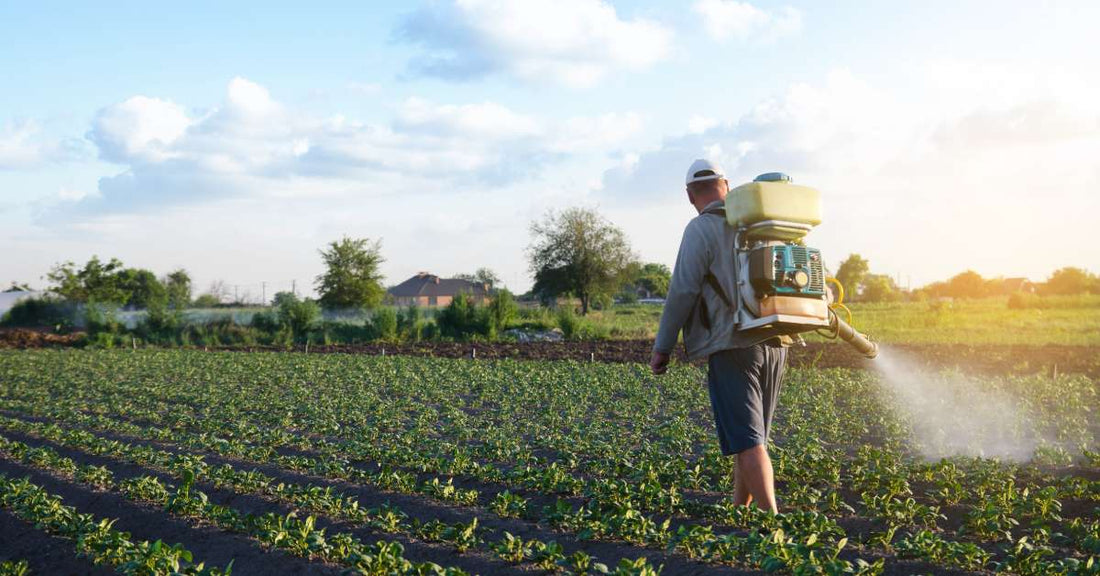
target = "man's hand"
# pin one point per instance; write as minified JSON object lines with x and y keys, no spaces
{"x":658,"y":363}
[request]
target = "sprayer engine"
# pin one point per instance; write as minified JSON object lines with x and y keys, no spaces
{"x":781,"y":282}
{"x":788,"y":270}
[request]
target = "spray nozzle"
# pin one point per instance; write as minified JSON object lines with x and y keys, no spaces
{"x":848,"y":334}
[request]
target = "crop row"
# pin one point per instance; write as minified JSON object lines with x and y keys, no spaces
{"x":880,"y":476}
{"x":95,"y":538}
{"x":772,"y":549}
{"x":188,"y":468}
{"x":288,"y":532}
{"x":606,"y":434}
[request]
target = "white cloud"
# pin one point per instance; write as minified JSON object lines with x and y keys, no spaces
{"x":140,"y":127}
{"x":600,"y":133}
{"x":253,"y":146}
{"x":698,"y":124}
{"x":487,"y":119}
{"x":729,"y":18}
{"x":25,"y":145}
{"x":249,"y":98}
{"x":17,"y":145}
{"x":71,"y":194}
{"x":573,"y":42}
{"x":973,"y":165}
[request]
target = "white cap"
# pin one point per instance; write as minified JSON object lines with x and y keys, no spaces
{"x":710,"y":171}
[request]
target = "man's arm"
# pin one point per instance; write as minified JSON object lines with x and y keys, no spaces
{"x":692,"y":263}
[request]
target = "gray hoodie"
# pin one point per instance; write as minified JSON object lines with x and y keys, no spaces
{"x":706,"y":314}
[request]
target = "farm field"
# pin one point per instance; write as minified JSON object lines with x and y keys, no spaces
{"x":156,"y":461}
{"x":1061,"y":320}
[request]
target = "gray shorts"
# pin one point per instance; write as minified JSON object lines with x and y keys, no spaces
{"x":744,"y":390}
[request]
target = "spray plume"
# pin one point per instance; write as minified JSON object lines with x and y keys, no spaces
{"x":952,"y":415}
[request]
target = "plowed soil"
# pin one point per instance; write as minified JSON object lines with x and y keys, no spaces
{"x":985,"y":358}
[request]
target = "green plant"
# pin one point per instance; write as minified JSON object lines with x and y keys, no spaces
{"x":385,"y":323}
{"x":298,"y":315}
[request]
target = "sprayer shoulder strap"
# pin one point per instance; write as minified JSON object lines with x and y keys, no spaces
{"x":717,"y":211}
{"x":710,"y":278}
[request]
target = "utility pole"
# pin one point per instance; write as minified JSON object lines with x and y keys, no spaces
{"x":263,"y":291}
{"x":294,"y":287}
{"x":235,"y":298}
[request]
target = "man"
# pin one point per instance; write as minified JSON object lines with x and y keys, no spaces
{"x":745,"y":370}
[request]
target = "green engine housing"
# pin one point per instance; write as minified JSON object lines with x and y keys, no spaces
{"x":787,"y":270}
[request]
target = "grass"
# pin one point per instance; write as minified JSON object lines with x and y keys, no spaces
{"x":985,"y":321}
{"x":1030,"y":320}
{"x":1073,"y":320}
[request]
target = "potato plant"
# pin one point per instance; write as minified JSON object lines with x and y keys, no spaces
{"x":577,"y":451}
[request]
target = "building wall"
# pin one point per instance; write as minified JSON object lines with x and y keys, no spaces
{"x":434,"y":301}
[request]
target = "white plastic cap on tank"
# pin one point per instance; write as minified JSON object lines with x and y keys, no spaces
{"x":703,"y":169}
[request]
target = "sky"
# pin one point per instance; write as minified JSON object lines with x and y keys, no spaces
{"x":236,"y":139}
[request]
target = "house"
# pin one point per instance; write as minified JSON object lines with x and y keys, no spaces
{"x":429,"y":290}
{"x":1013,"y":285}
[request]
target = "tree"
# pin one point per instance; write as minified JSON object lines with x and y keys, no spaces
{"x":1069,"y":280}
{"x":351,"y":278}
{"x":96,"y":281}
{"x":654,"y":279}
{"x":206,"y":301}
{"x":851,"y":274}
{"x":577,"y":252}
{"x":140,"y":287}
{"x":178,"y":286}
{"x":968,"y":284}
{"x":879,"y":288}
{"x":481,"y":276}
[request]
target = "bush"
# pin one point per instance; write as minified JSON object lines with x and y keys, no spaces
{"x":574,"y":327}
{"x":101,"y":317}
{"x":266,"y":321}
{"x":161,"y":324}
{"x":569,"y":323}
{"x":298,"y":315}
{"x":385,"y":323}
{"x":347,"y":333}
{"x":409,"y":325}
{"x":41,"y":311}
{"x":105,"y":340}
{"x":461,"y":320}
{"x":206,"y":301}
{"x":628,"y":296}
{"x":541,"y":319}
{"x":502,"y":310}
{"x":226,"y":332}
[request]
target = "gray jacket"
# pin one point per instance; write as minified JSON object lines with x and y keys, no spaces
{"x":705,"y":308}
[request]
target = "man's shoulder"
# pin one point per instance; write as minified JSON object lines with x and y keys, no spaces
{"x":706,"y":223}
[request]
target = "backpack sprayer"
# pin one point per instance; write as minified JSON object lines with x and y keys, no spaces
{"x":781,"y":282}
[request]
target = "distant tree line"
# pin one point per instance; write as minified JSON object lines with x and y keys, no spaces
{"x":576,"y":256}
{"x":860,"y":285}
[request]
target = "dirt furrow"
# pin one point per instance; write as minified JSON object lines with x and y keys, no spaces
{"x":146,"y":522}
{"x":423,"y":509}
{"x":44,"y":553}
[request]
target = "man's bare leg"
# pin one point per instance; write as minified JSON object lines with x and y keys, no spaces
{"x":755,"y":476}
{"x":741,"y":495}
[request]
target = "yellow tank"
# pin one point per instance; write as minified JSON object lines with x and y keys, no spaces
{"x":773,"y":208}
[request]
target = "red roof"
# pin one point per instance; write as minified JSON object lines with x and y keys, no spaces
{"x":424,"y":284}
